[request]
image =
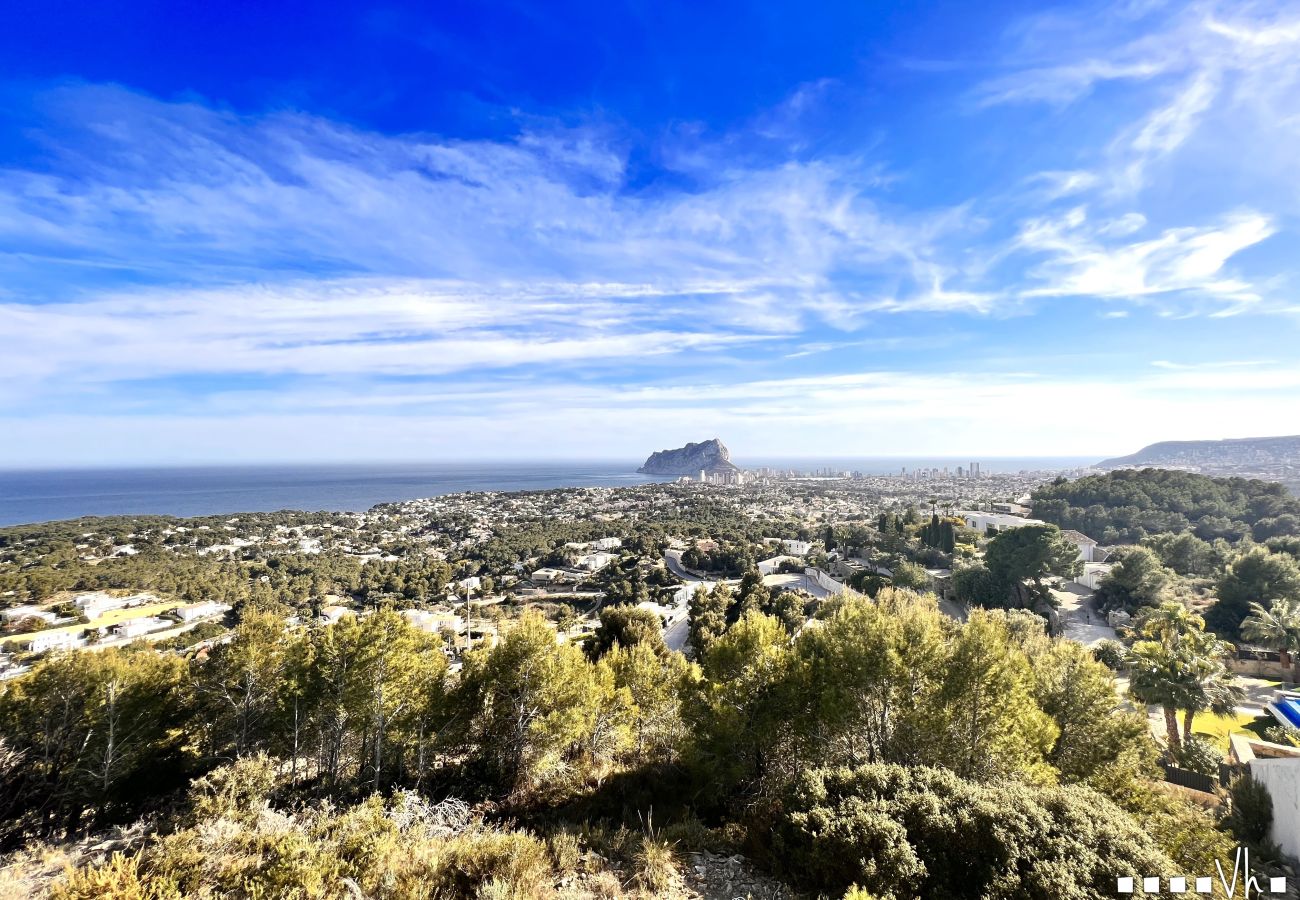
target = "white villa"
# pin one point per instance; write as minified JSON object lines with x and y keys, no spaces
{"x":136,"y":627}
{"x":196,"y":611}
{"x":1093,"y":573}
{"x":1089,"y":550}
{"x":96,"y":603}
{"x":18,"y":613}
{"x":50,"y":640}
{"x":769,"y":566}
{"x":433,"y":622}
{"x":594,"y":562}
{"x":983,"y":522}
{"x":547,"y":575}
{"x":330,"y":615}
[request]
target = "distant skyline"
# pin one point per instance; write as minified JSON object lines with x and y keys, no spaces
{"x":276,"y":233}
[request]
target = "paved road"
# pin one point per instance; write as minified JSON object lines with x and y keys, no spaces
{"x":1080,"y":621}
{"x":677,"y":632}
{"x":673,"y":559}
{"x":678,"y":628}
{"x":796,"y":581}
{"x":954,"y":609}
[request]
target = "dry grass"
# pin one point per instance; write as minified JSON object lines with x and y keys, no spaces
{"x":29,"y":872}
{"x":323,"y":854}
{"x":605,"y":886}
{"x":655,"y":866}
{"x":565,"y":850}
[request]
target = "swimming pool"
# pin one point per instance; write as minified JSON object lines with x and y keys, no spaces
{"x":1289,"y":707}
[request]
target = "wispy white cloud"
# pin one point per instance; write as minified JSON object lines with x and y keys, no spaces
{"x":165,"y":187}
{"x":1190,"y":262}
{"x":297,"y":265}
{"x":364,"y":327}
{"x":912,"y":413}
{"x":1163,"y":131}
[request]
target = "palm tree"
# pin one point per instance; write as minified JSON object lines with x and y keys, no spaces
{"x":1160,"y":675}
{"x":1181,"y":667}
{"x":1169,"y":623}
{"x":1277,"y":628}
{"x":1210,"y":686}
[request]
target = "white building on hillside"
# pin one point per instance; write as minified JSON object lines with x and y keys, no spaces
{"x":769,"y":566}
{"x":330,"y":615}
{"x":1093,"y":573}
{"x":594,"y":562}
{"x":433,"y":622}
{"x":984,"y":522}
{"x":196,"y":611}
{"x":1277,"y":768}
{"x":50,"y":640}
{"x":94,"y":604}
{"x":1089,"y":550}
{"x":607,"y":543}
{"x":798,"y":548}
{"x":18,"y":613}
{"x":136,"y":627}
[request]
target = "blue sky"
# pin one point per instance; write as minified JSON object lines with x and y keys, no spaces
{"x":247,"y":232}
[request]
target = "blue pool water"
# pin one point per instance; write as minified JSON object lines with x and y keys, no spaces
{"x":1290,"y":707}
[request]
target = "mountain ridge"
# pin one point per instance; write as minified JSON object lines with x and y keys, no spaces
{"x":1279,"y":450}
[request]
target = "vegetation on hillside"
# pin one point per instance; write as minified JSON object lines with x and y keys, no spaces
{"x":780,"y":741}
{"x":1125,"y":506}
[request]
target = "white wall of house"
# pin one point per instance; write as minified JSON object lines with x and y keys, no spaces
{"x":981,"y":521}
{"x":136,"y":627}
{"x":96,"y":603}
{"x":1092,"y":575}
{"x":769,"y":566}
{"x":1282,"y":778}
{"x":594,"y":562}
{"x":27,"y":612}
{"x":1088,"y":550}
{"x":60,"y":640}
{"x":197,"y":611}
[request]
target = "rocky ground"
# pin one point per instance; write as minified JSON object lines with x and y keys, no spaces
{"x":715,"y":877}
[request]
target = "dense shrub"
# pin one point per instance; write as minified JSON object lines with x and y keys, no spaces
{"x":1110,"y":653}
{"x":1250,"y":815}
{"x":366,"y":850}
{"x":894,"y":831}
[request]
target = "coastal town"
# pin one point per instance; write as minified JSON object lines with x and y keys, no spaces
{"x":454,"y":529}
{"x":683,"y":562}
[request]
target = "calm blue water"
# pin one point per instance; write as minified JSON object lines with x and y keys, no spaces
{"x":1291,"y":709}
{"x":41,"y":496}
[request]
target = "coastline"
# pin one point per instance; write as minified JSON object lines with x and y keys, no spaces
{"x":31,"y":496}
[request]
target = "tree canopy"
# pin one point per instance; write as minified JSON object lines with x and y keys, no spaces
{"x":1127,"y":505}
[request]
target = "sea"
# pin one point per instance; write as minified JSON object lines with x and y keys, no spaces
{"x":42,"y":495}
